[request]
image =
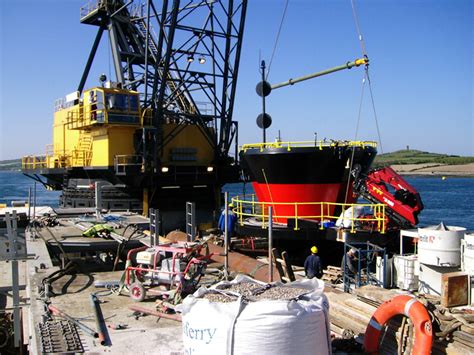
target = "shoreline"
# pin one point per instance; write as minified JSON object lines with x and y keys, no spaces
{"x":432,"y":169}
{"x":426,"y":169}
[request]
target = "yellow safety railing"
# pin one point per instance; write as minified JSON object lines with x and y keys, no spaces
{"x":88,"y":116}
{"x":316,"y":144}
{"x":54,"y":158}
{"x":81,"y":157}
{"x":31,"y":162}
{"x":78,"y":119}
{"x":75,"y":119}
{"x":248,"y":206}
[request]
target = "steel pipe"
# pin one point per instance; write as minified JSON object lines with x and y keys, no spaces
{"x":176,"y":317}
{"x":98,"y":319}
{"x":82,"y":326}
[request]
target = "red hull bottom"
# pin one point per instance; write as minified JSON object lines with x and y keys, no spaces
{"x":288,"y":194}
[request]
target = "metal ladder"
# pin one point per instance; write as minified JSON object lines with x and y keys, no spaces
{"x":16,"y":252}
{"x":155,"y":226}
{"x":83,"y":152}
{"x":190,"y":221}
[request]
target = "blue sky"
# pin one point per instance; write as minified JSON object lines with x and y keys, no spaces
{"x":421,"y":68}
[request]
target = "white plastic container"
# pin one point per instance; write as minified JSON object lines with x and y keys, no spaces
{"x":440,"y":245}
{"x":385,"y":280}
{"x":406,"y":271}
{"x":467,"y":253}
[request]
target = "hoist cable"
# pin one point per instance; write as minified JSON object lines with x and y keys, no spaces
{"x":364,"y":53}
{"x":108,"y":52}
{"x":277,"y":39}
{"x":359,"y":33}
{"x":373,"y":108}
{"x":355,"y":138}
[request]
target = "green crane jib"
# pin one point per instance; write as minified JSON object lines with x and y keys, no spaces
{"x":264,"y":88}
{"x":348,"y":65}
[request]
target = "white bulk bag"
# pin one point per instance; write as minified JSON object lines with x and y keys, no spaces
{"x":346,"y":219}
{"x":261,"y":327}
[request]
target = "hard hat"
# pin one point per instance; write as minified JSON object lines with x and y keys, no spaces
{"x":230,"y":205}
{"x":314,"y":249}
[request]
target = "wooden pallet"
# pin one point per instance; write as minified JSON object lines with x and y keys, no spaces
{"x":332,"y":274}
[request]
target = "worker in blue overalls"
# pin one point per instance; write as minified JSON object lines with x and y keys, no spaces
{"x":312,"y":264}
{"x":231,"y":220}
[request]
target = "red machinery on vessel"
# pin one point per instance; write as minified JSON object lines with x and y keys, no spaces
{"x":384,"y":185}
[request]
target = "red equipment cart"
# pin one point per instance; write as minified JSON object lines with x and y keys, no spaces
{"x":178,"y":266}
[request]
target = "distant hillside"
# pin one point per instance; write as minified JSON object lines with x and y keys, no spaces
{"x":13,"y":164}
{"x":402,"y":157}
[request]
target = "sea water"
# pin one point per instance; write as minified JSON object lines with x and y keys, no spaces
{"x":450,"y":201}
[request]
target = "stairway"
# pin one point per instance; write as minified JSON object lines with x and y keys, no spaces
{"x":83,"y":153}
{"x":151,"y":43}
{"x":185,"y":104}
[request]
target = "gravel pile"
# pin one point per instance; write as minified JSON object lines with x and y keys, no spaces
{"x":281,"y":293}
{"x":245,"y":289}
{"x":219,"y":297}
{"x":254,"y":292}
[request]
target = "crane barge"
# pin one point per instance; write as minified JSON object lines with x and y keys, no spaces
{"x":162,"y":132}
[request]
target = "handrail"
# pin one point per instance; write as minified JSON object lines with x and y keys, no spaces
{"x":247,"y":206}
{"x":316,"y":144}
{"x":91,"y":6}
{"x":87,"y":116}
{"x":31,"y":162}
{"x":125,"y":160}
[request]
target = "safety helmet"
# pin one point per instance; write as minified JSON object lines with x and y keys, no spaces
{"x":314,"y":249}
{"x":231,"y":205}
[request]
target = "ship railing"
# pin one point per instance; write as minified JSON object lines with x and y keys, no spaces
{"x":81,"y":157}
{"x":31,"y":162}
{"x":85,"y":118}
{"x":59,"y":104}
{"x":316,"y":144}
{"x":248,"y":206}
{"x":49,"y":150}
{"x":74,"y":119}
{"x":91,"y":6}
{"x":128,"y":163}
{"x":57,"y":157}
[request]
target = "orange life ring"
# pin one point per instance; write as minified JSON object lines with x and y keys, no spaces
{"x":410,"y":307}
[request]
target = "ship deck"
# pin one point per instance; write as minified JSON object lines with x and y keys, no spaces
{"x":129,"y":332}
{"x":71,"y":294}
